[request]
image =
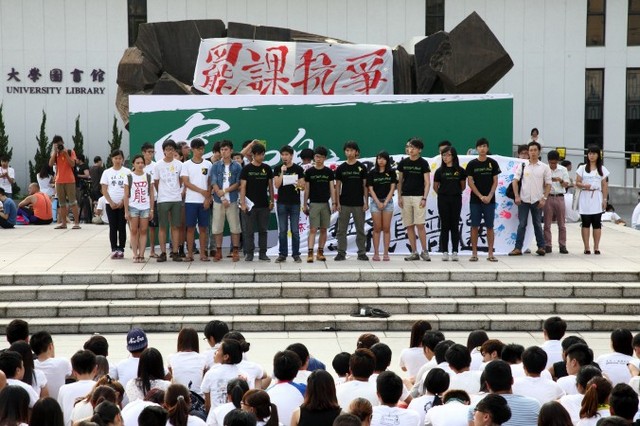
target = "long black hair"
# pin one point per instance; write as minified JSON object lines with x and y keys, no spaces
{"x":454,"y":157}
{"x":587,"y":165}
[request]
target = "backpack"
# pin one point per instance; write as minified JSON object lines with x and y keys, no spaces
{"x":130,"y":181}
{"x":510,"y":193}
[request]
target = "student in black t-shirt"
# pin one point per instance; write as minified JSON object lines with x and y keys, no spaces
{"x":256,"y":184}
{"x":351,"y":188}
{"x":319,"y":193}
{"x":449,"y":182}
{"x":288,"y":206}
{"x":482,"y":178}
{"x":381,"y":182}
{"x":413,"y":188}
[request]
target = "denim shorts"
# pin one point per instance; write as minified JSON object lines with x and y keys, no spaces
{"x":480,"y":210}
{"x":142,"y":214}
{"x":374,"y":207}
{"x":195,"y":213}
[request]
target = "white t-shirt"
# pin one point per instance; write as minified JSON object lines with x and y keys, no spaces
{"x":421,"y":406}
{"x":592,"y":421}
{"x":635,"y":217}
{"x":131,"y":411}
{"x":33,"y":396}
{"x":468,"y":381}
{"x":125,"y":370}
{"x":412,"y":359}
{"x":209,"y":355}
{"x":225,"y":180}
{"x":254,"y":371}
{"x":133,"y":391}
{"x":39,"y":381}
{"x":453,"y":413}
{"x":349,"y":391}
{"x":168,"y":177}
{"x":45,"y":185}
{"x":215,"y":382}
{"x":287,"y":399}
{"x":139,"y":197}
{"x":151,"y":169}
{"x":115,"y":181}
{"x":5,"y":183}
{"x":384,"y":415}
{"x":191,"y":421}
{"x":476,"y":360}
{"x":568,"y":384}
{"x":81,"y":410}
{"x":198,"y":174}
{"x":69,"y":393}
{"x":188,"y":367}
{"x":56,"y":370}
{"x":216,"y":416}
{"x":517,"y":370}
{"x":573,"y":404}
{"x":102,"y":204}
{"x":553,"y":348}
{"x":418,"y":386}
{"x":538,"y":388}
{"x":610,"y":217}
{"x":591,"y":201}
{"x":615,"y":366}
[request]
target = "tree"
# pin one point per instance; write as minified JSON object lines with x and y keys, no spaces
{"x":116,"y":140}
{"x":5,"y":151}
{"x":78,"y":139}
{"x":42,"y":153}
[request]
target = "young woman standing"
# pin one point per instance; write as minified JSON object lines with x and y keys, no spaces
{"x":138,"y":206}
{"x":382,"y":181}
{"x":113,"y":180}
{"x":591,"y":178}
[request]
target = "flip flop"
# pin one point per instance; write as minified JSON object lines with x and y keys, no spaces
{"x":204,"y":259}
{"x":76,"y":227}
{"x":473,"y":259}
{"x":154,"y":255}
{"x":376,"y":258}
{"x":386,"y":258}
{"x":492,"y":259}
{"x":187,"y":259}
{"x":61,"y":227}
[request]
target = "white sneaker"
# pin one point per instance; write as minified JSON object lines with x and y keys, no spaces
{"x":454,"y":256}
{"x":425,"y":256}
{"x":445,"y":257}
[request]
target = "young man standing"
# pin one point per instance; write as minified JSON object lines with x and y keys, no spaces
{"x":318,"y":192}
{"x":148,"y":151}
{"x":482,"y":178}
{"x":167,"y":182}
{"x":531,"y":197}
{"x":554,"y":207}
{"x":64,"y":161}
{"x":351,"y":187}
{"x":289,"y":178}
{"x":256,"y":186}
{"x":225,"y":181}
{"x":197,"y":201}
{"x":413,"y":189}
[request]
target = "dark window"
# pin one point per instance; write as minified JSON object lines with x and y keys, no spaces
{"x":632,"y":142}
{"x":594,"y":105}
{"x":137,"y":12}
{"x":596,"y":10}
{"x":633,"y":27}
{"x":435,"y":16}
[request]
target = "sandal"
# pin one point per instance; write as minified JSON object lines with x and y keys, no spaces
{"x":375,"y":258}
{"x":76,"y":227}
{"x":141,"y":259}
{"x":61,"y":227}
{"x":204,"y":259}
{"x":154,"y":255}
{"x":492,"y":259}
{"x":186,"y":259}
{"x":386,"y":258}
{"x":587,"y":252}
{"x":596,"y":252}
{"x":473,"y":259}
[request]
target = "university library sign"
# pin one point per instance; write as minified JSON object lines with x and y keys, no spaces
{"x":32,"y":83}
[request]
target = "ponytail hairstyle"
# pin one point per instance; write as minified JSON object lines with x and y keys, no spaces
{"x":236,"y":389}
{"x":437,"y":383}
{"x":177,"y":402}
{"x":105,"y":382}
{"x":262,"y":406}
{"x":597,"y":393}
{"x":26,"y":354}
{"x":244,"y":345}
{"x":105,"y":413}
{"x":233,"y":349}
{"x":101,"y":394}
{"x":587,"y":165}
{"x":361,"y":408}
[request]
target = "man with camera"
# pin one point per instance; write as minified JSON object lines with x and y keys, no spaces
{"x":65,"y":161}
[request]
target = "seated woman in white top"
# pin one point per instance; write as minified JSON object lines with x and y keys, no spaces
{"x":236,"y":389}
{"x":214,"y":384}
{"x":177,"y":401}
{"x":258,"y":375}
{"x":258,"y":403}
{"x":16,"y":398}
{"x":412,"y":358}
{"x":187,"y":365}
{"x":150,"y":375}
{"x":595,"y":403}
{"x":35,"y":378}
{"x":83,"y":409}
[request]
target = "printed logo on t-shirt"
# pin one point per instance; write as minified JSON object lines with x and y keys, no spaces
{"x":390,"y":420}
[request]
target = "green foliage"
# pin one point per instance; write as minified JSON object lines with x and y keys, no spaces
{"x":78,"y":139}
{"x":42,"y":153}
{"x":116,"y":140}
{"x":5,"y":151}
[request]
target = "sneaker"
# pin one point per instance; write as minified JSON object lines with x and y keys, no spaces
{"x":445,"y":257}
{"x":363,"y":257}
{"x":564,"y":250}
{"x":281,"y":259}
{"x":297,"y":259}
{"x":425,"y":256}
{"x":340,"y":257}
{"x":114,"y":254}
{"x":454,"y":256}
{"x":412,"y":256}
{"x":162,"y":257}
{"x":120,"y":254}
{"x":264,"y":258}
{"x":248,"y":257}
{"x":547,"y":249}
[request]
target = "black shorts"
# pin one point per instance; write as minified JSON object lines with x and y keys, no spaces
{"x":591,"y":220}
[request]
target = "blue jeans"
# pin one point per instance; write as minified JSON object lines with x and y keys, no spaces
{"x":536,"y":217}
{"x":288,"y":217}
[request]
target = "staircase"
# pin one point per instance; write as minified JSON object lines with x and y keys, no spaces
{"x":313,"y":300}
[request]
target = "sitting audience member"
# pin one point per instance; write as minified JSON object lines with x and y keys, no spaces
{"x":436,"y":384}
{"x":34,"y":378}
{"x":258,"y":403}
{"x":491,"y":350}
{"x":14,"y":405}
{"x":214,"y":383}
{"x":100,"y":212}
{"x":544,"y":390}
{"x":177,"y":402}
{"x":303,"y":354}
{"x":577,"y":356}
{"x":512,"y":354}
{"x":366,"y":340}
{"x":459,"y":360}
{"x":214,"y":332}
{"x":16,"y":330}
{"x":623,"y":402}
{"x":553,"y":330}
{"x":37,"y":206}
{"x":389,"y":388}
{"x":595,"y":402}
{"x":361,"y":366}
{"x":187,"y":365}
{"x":573,"y":403}
{"x":362,"y":409}
{"x":150,"y":375}
{"x":383,"y":354}
{"x":320,"y":406}
{"x":412,"y":358}
{"x":559,"y":369}
{"x":153,"y":415}
{"x":610,"y":215}
{"x":12,"y":366}
{"x":492,"y":410}
{"x":46,"y":412}
{"x":132,"y":411}
{"x":83,"y":365}
{"x":239,"y":418}
{"x":8,"y":211}
{"x":107,"y":414}
{"x":84,"y":408}
{"x":340,"y":365}
{"x":614,"y":365}
{"x":98,"y":345}
{"x":284,"y":393}
{"x":236,"y":389}
{"x":348,"y":420}
{"x":453,"y":411}
{"x":253,"y":369}
{"x":127,"y":369}
{"x":474,"y":342}
{"x":55,"y":369}
{"x":430,"y":340}
{"x":552,"y":413}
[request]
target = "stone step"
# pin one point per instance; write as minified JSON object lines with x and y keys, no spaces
{"x":316,"y":290}
{"x":445,"y":322}
{"x":427,"y":273}
{"x":319,"y":306}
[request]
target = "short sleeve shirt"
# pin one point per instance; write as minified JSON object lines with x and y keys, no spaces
{"x":64,"y":172}
{"x":381,"y":182}
{"x":482,"y":173}
{"x":352,"y":177}
{"x":115,"y":181}
{"x":198,"y":174}
{"x":168,"y":177}
{"x":257,"y":186}
{"x":320,"y":181}
{"x":449,"y":179}
{"x":289,"y":194}
{"x":413,"y":176}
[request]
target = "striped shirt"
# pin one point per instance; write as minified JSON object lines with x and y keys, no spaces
{"x":524,"y":410}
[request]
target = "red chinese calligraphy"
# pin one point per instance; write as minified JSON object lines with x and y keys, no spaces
{"x":221,"y":60}
{"x":366,"y":73}
{"x":268,"y":73}
{"x":316,"y":71}
{"x":140,"y":192}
